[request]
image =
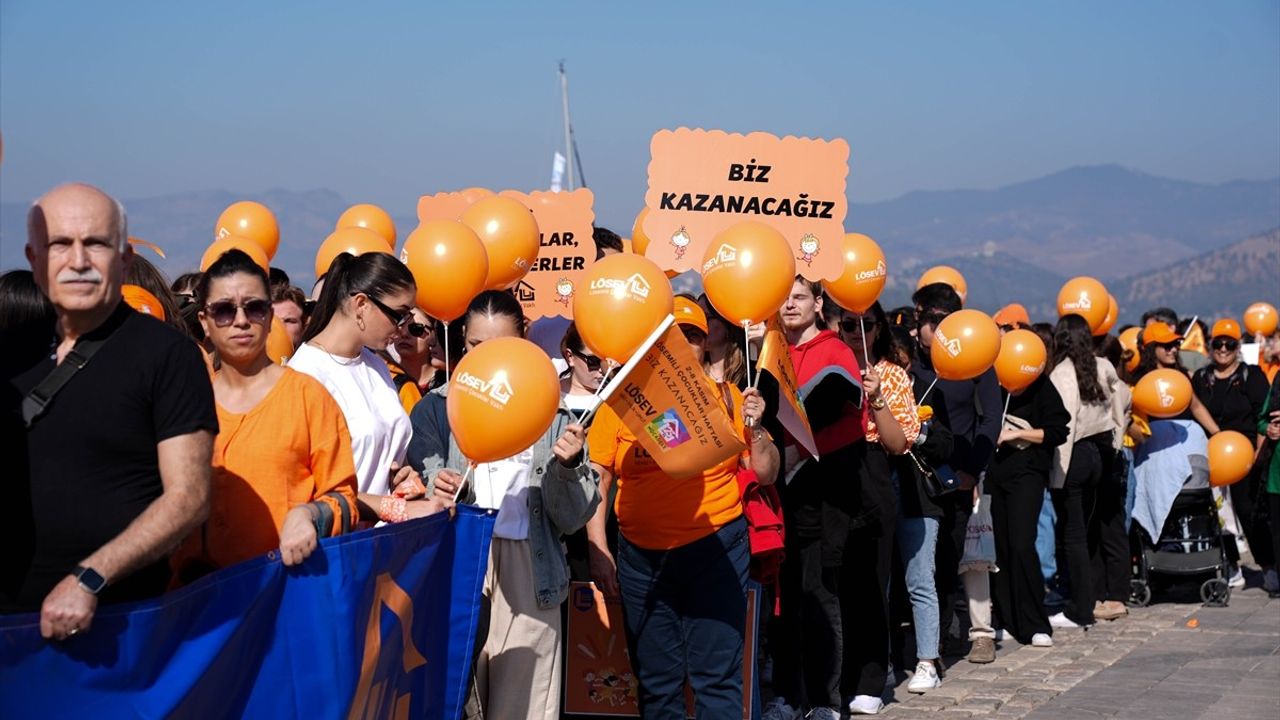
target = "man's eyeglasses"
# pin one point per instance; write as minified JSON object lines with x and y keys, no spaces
{"x":1226,"y":344}
{"x":397,"y":318}
{"x":593,"y":362}
{"x":931,"y":318}
{"x":850,"y":325}
{"x":223,"y":312}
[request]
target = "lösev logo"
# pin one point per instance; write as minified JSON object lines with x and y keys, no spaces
{"x":725,"y":255}
{"x":635,"y":285}
{"x":1083,"y":303}
{"x":497,"y":388}
{"x":951,"y":345}
{"x":1032,"y":369}
{"x":879,"y":272}
{"x":1162,"y":391}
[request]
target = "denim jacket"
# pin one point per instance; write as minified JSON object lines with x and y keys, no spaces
{"x":561,"y":499}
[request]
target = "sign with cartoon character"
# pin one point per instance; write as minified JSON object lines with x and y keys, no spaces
{"x":703,"y":181}
{"x":565,"y":220}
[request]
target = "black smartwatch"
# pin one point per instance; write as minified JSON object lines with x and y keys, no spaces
{"x":89,"y":579}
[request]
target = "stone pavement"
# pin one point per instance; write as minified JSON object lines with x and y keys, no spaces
{"x":1171,"y":660}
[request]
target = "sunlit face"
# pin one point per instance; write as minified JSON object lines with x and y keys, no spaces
{"x":75,"y":251}
{"x":383,"y":326}
{"x":291,"y":318}
{"x":1224,"y":350}
{"x":802,"y":307}
{"x":487,"y":327}
{"x":417,"y":348}
{"x":237,"y":318}
{"x":586,"y":366}
{"x":852,"y":332}
{"x":1166,"y":354}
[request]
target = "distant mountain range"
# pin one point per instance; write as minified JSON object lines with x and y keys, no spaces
{"x":1152,"y":240}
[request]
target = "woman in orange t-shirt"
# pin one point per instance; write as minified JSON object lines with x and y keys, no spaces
{"x":283,"y":474}
{"x":683,"y":553}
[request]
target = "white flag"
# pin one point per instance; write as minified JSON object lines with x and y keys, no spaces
{"x":557,"y":172}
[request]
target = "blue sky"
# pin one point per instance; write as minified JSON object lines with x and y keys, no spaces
{"x":386,"y":101}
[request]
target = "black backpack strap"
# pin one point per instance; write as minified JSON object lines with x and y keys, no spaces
{"x":401,"y":380}
{"x":345,"y":515}
{"x":37,"y":401}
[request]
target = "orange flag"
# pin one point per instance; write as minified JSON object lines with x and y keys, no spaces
{"x":1194,"y":339}
{"x":775,"y":359}
{"x":665,"y":399}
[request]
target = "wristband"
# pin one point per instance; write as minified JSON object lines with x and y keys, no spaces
{"x":393,"y":509}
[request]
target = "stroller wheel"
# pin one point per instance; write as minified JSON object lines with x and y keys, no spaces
{"x":1215,"y":592}
{"x":1139,"y":593}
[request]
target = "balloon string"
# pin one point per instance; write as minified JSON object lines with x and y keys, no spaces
{"x":604,"y":379}
{"x":458,"y":493}
{"x":927,"y":390}
{"x":865,"y":357}
{"x":1005,"y":414}
{"x":448,"y":372}
{"x":746,"y":349}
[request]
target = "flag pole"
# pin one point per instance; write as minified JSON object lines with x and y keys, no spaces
{"x":568,"y":139}
{"x":630,"y":365}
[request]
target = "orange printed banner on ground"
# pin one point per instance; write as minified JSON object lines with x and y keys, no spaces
{"x":703,"y":181}
{"x":775,"y":359}
{"x":598,"y":679}
{"x":565,"y":221}
{"x":665,"y":399}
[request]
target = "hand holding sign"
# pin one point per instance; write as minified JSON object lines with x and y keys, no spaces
{"x":502,"y":398}
{"x":965,"y":345}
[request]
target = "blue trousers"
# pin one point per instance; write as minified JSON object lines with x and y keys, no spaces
{"x":1046,"y":540}
{"x":685,"y":612}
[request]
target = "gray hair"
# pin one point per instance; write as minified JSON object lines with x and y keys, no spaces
{"x":122,"y":217}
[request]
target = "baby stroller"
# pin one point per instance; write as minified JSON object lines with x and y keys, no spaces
{"x":1192,"y":543}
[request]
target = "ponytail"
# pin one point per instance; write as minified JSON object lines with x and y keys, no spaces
{"x":373,"y":274}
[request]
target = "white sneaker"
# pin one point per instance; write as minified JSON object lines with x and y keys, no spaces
{"x":1237,"y":579}
{"x":1060,"y":620}
{"x":823,"y":713}
{"x":924,"y":679}
{"x":865,"y":705}
{"x":1271,"y":581}
{"x":1041,"y":640}
{"x":780,"y":710}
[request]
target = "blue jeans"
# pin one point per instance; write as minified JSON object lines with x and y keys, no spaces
{"x":685,"y":612}
{"x":1046,"y":540}
{"x":917,"y":544}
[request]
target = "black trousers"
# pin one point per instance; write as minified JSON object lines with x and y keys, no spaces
{"x":1108,"y":543}
{"x":1019,"y":586}
{"x":1273,"y":502}
{"x":864,"y":581}
{"x":1074,"y":504}
{"x":952,"y":527}
{"x":1245,"y":497}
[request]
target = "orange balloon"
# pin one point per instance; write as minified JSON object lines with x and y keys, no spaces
{"x":748,"y":271}
{"x":965,"y":345}
{"x":220,"y":246}
{"x":1162,"y":393}
{"x":1261,"y":319}
{"x":474,"y":194}
{"x":143,"y":301}
{"x":1021,"y":359}
{"x":279,"y":346}
{"x":1085,"y":297}
{"x":354,"y":240}
{"x":1230,"y":458}
{"x":252,"y":221}
{"x":945,"y":274}
{"x":639,"y":241}
{"x":369,"y":217}
{"x":1132,"y":353}
{"x":862,"y":281}
{"x":1108,"y":322}
{"x":503,"y":396}
{"x":626,"y":298}
{"x":449,"y":266}
{"x":510,"y":236}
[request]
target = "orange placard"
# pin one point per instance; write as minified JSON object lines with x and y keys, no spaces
{"x":598,"y":680}
{"x":775,"y":359}
{"x":703,"y":181}
{"x":565,"y":222}
{"x":444,"y":205}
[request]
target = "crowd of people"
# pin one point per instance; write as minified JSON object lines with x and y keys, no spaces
{"x":149,"y":453}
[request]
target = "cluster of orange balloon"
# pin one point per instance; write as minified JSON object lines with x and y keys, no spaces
{"x":246,"y":226}
{"x":1086,"y":297}
{"x":965,"y":345}
{"x":1261,"y":319}
{"x":510,"y":236}
{"x":1162,"y":393}
{"x":1021,"y":360}
{"x":1230,"y":458}
{"x":625,"y":298}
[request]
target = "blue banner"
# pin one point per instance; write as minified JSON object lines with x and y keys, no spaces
{"x":376,"y":624}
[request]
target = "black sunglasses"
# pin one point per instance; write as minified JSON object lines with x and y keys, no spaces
{"x":223,"y":312}
{"x":593,"y":362}
{"x":397,"y":318}
{"x":417,"y":329}
{"x":850,"y":325}
{"x":309,"y":306}
{"x":1226,"y":344}
{"x":1169,"y":345}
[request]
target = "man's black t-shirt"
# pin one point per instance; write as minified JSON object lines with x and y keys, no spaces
{"x":1235,"y":401}
{"x":93,"y":463}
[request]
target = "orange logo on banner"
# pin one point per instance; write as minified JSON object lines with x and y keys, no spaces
{"x":703,"y":181}
{"x":565,"y":221}
{"x":668,"y":403}
{"x":379,"y":699}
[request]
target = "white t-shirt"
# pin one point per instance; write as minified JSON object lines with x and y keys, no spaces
{"x":504,"y":485}
{"x":363,"y":388}
{"x":579,"y":404}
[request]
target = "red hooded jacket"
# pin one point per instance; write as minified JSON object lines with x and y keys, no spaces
{"x":839,"y":423}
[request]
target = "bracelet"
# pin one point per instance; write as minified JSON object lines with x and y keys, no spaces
{"x":393,"y":509}
{"x":877,"y":402}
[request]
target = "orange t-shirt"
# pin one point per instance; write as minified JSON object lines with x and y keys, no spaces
{"x":655,"y":511}
{"x":290,"y":449}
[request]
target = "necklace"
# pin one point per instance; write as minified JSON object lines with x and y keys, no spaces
{"x":345,"y":362}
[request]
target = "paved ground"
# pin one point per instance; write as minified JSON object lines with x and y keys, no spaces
{"x":1172,"y":660}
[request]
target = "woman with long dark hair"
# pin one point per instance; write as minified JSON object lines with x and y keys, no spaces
{"x":1098,"y":403}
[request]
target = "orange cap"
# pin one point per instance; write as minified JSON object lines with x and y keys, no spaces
{"x":1226,"y":327}
{"x":1159,"y":333}
{"x":688,"y":312}
{"x":142,"y":301}
{"x":1012,"y":314}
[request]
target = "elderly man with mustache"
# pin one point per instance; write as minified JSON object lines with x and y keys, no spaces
{"x":119,"y":425}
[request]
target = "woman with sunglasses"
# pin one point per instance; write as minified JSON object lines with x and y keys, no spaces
{"x":1160,"y":346}
{"x":414,"y":372}
{"x":1234,"y":392}
{"x":366,"y":303}
{"x":541,"y":494}
{"x":282,"y":470}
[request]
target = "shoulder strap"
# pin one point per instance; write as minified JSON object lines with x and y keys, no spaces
{"x":37,"y":401}
{"x":401,"y":380}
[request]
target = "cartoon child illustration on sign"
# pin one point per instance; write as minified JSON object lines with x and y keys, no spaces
{"x":680,"y":239}
{"x":564,"y":291}
{"x":810,"y":247}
